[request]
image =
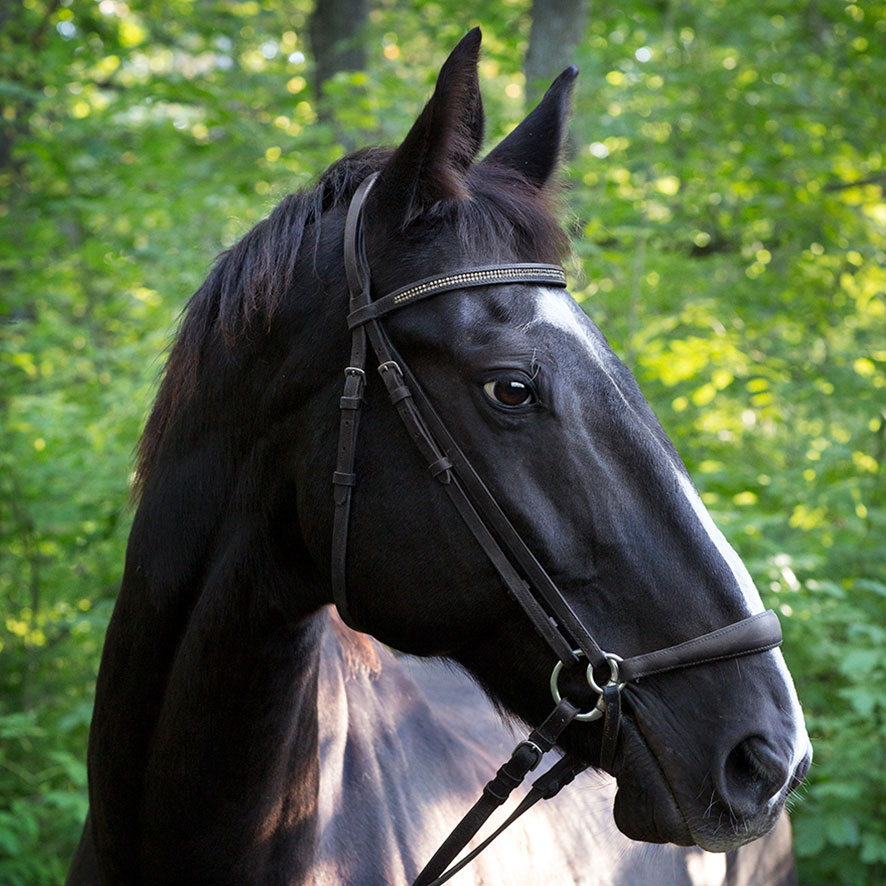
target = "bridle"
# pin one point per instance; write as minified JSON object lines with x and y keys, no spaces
{"x":525,"y":578}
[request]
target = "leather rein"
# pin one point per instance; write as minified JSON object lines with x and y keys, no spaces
{"x":525,"y":578}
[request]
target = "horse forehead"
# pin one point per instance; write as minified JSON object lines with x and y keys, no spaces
{"x":555,"y":308}
{"x":525,"y":313}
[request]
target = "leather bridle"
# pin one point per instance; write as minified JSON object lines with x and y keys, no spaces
{"x":524,"y":577}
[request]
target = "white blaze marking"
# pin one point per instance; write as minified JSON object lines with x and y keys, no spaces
{"x":755,"y":604}
{"x":727,"y":552}
{"x":557,"y":308}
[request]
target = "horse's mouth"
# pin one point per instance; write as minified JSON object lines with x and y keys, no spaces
{"x":645,"y":807}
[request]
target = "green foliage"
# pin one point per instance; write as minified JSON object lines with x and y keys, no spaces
{"x":727,"y":197}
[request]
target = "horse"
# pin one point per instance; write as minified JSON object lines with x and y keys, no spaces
{"x":508,"y":487}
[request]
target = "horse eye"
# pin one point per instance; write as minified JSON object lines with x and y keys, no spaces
{"x":508,"y":392}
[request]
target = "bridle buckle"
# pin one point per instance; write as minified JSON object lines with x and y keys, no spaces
{"x":532,"y":746}
{"x":355,"y":381}
{"x":391,"y":366}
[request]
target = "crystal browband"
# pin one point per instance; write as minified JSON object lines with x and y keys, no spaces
{"x":550,"y":275}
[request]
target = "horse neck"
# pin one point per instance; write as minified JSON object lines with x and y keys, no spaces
{"x":205,"y":727}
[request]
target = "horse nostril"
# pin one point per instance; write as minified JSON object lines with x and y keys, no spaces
{"x":752,"y":773}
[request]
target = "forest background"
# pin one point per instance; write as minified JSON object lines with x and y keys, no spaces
{"x":725,"y":191}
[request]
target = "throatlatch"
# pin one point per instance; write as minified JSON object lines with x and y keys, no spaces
{"x":525,"y":578}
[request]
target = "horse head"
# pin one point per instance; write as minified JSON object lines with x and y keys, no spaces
{"x":561,"y":435}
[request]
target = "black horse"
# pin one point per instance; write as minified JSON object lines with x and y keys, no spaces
{"x":243,"y":735}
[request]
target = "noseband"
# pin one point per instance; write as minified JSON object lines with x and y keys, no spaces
{"x":525,"y":578}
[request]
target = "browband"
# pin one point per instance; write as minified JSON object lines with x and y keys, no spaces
{"x":550,"y":275}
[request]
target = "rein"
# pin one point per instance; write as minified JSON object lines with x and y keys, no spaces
{"x":524,"y":577}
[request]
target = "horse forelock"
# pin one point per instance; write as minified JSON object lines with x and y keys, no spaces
{"x":507,"y":217}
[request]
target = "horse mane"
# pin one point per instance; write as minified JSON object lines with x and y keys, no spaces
{"x":503,"y":213}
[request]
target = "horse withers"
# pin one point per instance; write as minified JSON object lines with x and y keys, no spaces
{"x":242,"y":734}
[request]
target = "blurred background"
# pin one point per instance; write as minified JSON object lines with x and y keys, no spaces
{"x":725,"y":192}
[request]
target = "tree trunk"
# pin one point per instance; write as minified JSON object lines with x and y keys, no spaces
{"x":558,"y":26}
{"x":336,"y":39}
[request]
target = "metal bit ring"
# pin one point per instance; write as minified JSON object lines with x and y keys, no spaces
{"x":613,"y":660}
{"x":587,"y":716}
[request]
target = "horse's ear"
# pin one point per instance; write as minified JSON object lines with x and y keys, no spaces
{"x":431,"y":163}
{"x":534,"y":147}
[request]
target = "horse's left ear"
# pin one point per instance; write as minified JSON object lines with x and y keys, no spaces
{"x":534,"y":147}
{"x":431,"y":163}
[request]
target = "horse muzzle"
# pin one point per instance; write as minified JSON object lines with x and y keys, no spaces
{"x":718,"y":797}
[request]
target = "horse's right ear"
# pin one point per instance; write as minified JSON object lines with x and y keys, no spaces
{"x":431,"y":163}
{"x":534,"y":147}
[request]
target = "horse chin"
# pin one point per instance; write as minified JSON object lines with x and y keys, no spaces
{"x":645,"y":807}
